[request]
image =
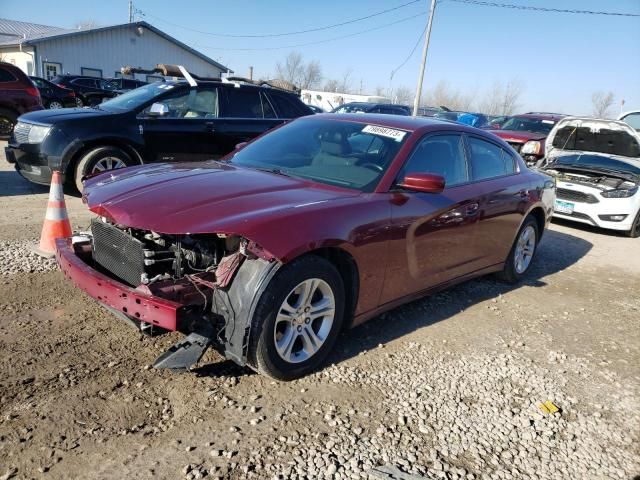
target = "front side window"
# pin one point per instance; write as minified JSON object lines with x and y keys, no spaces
{"x":489,"y":160}
{"x":286,"y":106}
{"x":346,"y":154}
{"x":84,"y":82}
{"x":439,"y":155}
{"x":190,"y":104}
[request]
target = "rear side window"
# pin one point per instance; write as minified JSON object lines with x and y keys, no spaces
{"x":489,"y":160}
{"x":6,"y":76}
{"x":242,"y":103}
{"x":286,"y":106}
{"x":440,"y":155}
{"x":633,"y":119}
{"x":84,"y":82}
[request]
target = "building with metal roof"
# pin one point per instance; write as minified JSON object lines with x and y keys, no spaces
{"x":46,"y":51}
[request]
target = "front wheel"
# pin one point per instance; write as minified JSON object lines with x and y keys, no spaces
{"x":635,"y":227}
{"x":522,"y":252}
{"x":99,"y":160}
{"x":297,"y":319}
{"x":79,"y":101}
{"x":7,"y":121}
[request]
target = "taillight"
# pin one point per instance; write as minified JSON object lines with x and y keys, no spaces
{"x":33,"y":91}
{"x":71,"y":93}
{"x":60,"y":85}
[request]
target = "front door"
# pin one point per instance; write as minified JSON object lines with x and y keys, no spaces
{"x":190,"y":130}
{"x":51,"y":69}
{"x":432,"y":235}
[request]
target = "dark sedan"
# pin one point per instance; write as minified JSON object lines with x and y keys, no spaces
{"x":325,"y":222}
{"x":90,"y":91}
{"x":366,"y":107}
{"x":54,"y":96}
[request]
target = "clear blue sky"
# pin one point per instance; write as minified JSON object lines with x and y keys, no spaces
{"x":560,"y":58}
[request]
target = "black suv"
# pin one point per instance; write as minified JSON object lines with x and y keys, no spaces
{"x":160,"y":122}
{"x":126,"y":84}
{"x":90,"y":91}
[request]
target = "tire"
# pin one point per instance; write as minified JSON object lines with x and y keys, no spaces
{"x":635,"y":227}
{"x":55,"y":104}
{"x":271,"y":326}
{"x":79,"y":101}
{"x":91,"y":162}
{"x":8,"y":120}
{"x":514,"y":271}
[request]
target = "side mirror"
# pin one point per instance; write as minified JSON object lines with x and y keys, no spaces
{"x":423,"y":182}
{"x":240,"y":145}
{"x":158,"y":110}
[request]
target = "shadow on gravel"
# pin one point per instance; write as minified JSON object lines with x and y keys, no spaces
{"x":222,"y":368}
{"x":557,"y":252}
{"x":12,"y":184}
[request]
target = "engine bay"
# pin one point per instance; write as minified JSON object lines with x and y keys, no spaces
{"x":597,"y":180}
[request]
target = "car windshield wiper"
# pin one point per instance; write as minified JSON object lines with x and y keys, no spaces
{"x":594,"y":168}
{"x":277,"y":171}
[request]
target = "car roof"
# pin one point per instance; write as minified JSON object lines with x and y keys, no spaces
{"x":541,"y":116}
{"x":401,"y":122}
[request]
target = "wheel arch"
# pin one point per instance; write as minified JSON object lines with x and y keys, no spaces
{"x":537,"y":212}
{"x":87,"y":146}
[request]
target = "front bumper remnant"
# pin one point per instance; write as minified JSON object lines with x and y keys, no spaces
{"x":133,"y":303}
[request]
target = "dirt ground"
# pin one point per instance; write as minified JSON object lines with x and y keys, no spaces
{"x":78,"y":399}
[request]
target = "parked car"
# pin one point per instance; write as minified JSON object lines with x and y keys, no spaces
{"x":365,"y":107}
{"x":496,"y":121}
{"x":478,"y":120}
{"x":526,"y":133}
{"x":90,"y":91}
{"x":18,"y":95}
{"x":316,"y":109}
{"x":126,"y":84}
{"x":158,"y":122}
{"x":596,"y":164}
{"x":241,"y":254}
{"x":54,"y":96}
{"x":631,"y":118}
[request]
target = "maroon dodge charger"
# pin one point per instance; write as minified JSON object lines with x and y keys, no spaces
{"x":319,"y":224}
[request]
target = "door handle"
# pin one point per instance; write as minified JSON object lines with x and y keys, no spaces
{"x":472,"y":209}
{"x":209,"y":126}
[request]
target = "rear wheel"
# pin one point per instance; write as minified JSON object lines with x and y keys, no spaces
{"x":98,"y":160}
{"x":297,"y":319}
{"x":79,"y":101}
{"x":522,"y":252}
{"x":635,"y":227}
{"x":7,"y":121}
{"x":54,"y":104}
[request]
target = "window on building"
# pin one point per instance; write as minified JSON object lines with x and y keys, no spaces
{"x":51,"y":69}
{"x":91,"y":72}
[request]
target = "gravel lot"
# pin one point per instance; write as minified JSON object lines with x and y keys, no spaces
{"x":445,"y":387}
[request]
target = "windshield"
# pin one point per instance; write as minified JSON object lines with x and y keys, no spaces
{"x":351,"y":108}
{"x":524,"y":124}
{"x":346,"y":154}
{"x":596,"y":162}
{"x":136,"y":98}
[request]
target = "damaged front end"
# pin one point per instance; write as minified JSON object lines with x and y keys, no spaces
{"x":204,"y":286}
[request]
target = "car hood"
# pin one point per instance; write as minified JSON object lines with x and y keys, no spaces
{"x":515,"y":136}
{"x":208,"y":197}
{"x":48,"y":117}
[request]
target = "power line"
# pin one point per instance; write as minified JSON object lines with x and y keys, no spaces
{"x":319,"y":41}
{"x":543,"y":9}
{"x":284,"y":34}
{"x":413,"y":50}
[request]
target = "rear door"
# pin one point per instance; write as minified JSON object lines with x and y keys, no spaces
{"x":245,"y":113}
{"x":503,"y":198}
{"x":188,"y":132}
{"x":432,"y":235}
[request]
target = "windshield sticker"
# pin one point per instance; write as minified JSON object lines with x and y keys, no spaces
{"x":550,"y":122}
{"x":397,"y":135}
{"x":166,"y":86}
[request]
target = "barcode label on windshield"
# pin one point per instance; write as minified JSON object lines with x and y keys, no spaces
{"x":397,"y":135}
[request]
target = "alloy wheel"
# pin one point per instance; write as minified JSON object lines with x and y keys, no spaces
{"x":79,"y":102}
{"x":304,"y":320}
{"x":55,"y":105}
{"x":6,"y":126}
{"x":525,"y":248}
{"x":107,"y":163}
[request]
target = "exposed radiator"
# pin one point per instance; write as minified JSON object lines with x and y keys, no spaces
{"x":118,"y":252}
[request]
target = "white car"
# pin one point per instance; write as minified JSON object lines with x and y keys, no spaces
{"x":632,"y":118}
{"x":596,"y":165}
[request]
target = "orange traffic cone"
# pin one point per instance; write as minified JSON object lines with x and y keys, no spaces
{"x":56,"y":221}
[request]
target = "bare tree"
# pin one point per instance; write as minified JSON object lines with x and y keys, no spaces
{"x":601,"y":103}
{"x":381,"y":91}
{"x":444,"y":95}
{"x":502,"y":99}
{"x":342,"y":85}
{"x":403,"y":95}
{"x":294,"y":70}
{"x":331,"y":85}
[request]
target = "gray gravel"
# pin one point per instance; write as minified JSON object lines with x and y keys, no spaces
{"x":17,"y":257}
{"x":449,"y":416}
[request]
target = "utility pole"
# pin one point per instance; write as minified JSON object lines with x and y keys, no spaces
{"x":130,"y":11}
{"x":427,"y":35}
